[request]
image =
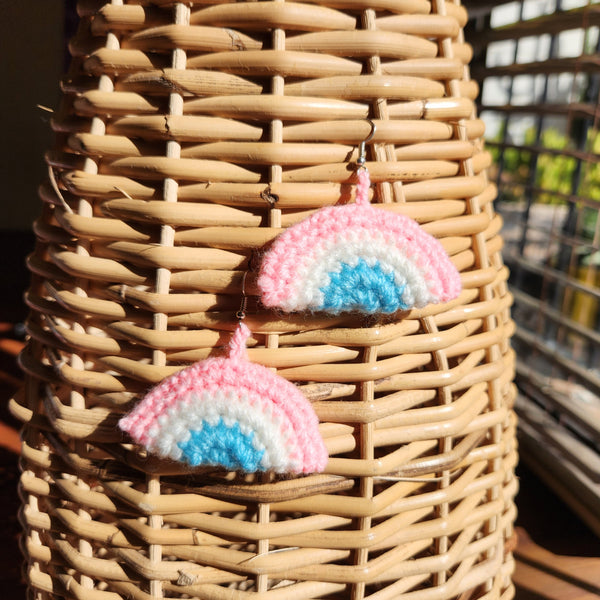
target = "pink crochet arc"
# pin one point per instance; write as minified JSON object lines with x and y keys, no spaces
{"x":356,"y":257}
{"x":232,"y":413}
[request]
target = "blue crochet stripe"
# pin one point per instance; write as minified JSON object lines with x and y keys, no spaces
{"x":222,"y":445}
{"x":362,"y":287}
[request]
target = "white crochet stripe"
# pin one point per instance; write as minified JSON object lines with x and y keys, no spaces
{"x":272,"y":431}
{"x":372,"y":247}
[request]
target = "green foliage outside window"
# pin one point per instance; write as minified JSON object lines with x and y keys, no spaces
{"x":555,"y":172}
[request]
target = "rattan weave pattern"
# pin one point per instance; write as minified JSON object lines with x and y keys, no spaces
{"x":189,"y":135}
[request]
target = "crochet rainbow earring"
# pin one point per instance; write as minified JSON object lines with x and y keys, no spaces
{"x":356,"y":257}
{"x":232,"y":413}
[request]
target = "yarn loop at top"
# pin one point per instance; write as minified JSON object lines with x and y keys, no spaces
{"x":362,"y":187}
{"x":237,"y":344}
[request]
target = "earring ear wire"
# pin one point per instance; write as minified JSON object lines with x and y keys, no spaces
{"x":362,"y":147}
{"x":241,"y":313}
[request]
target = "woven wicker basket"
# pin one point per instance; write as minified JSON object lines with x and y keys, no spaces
{"x":189,"y":135}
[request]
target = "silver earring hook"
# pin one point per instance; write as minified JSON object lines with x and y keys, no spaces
{"x":362,"y":147}
{"x":241,"y":313}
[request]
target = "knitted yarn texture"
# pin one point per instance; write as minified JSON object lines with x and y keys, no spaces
{"x":356,"y":258}
{"x":230,"y":412}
